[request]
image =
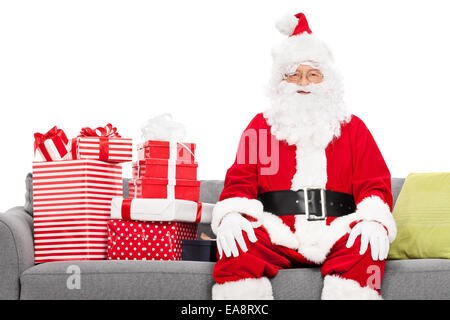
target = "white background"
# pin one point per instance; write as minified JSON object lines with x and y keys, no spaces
{"x":87,"y":63}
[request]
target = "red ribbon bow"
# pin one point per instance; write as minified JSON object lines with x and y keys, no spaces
{"x":59,"y":139}
{"x":106,"y":131}
{"x":39,"y":138}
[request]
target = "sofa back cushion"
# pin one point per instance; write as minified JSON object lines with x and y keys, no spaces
{"x":29,"y":194}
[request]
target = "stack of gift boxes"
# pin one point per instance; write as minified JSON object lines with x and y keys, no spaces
{"x":163,"y":207}
{"x":73,"y":189}
{"x":79,"y":209}
{"x":165,"y":169}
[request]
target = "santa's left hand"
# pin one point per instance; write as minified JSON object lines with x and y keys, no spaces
{"x":374,"y":233}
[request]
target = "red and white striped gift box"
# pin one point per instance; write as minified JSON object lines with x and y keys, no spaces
{"x":176,"y":151}
{"x":71,"y":203}
{"x":102,"y":148}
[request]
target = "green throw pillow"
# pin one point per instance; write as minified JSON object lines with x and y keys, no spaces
{"x":422,"y":214}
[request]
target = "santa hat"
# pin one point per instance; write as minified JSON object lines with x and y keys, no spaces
{"x":301,"y":46}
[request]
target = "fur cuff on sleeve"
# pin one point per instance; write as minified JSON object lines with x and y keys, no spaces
{"x":251,"y":207}
{"x":374,"y":209}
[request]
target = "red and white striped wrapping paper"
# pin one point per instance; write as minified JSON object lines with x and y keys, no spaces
{"x":102,"y":148}
{"x":72,"y":203}
{"x":132,"y":240}
{"x":161,"y":210}
{"x":179,"y":151}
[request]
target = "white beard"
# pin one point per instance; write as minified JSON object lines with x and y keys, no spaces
{"x":309,"y":120}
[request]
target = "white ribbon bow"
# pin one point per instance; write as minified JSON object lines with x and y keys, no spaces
{"x":163,"y":128}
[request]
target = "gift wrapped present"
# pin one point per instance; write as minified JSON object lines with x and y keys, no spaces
{"x":164,"y":168}
{"x":102,"y":143}
{"x":177,"y":151}
{"x":53,"y":145}
{"x":165,"y":189}
{"x":161,"y":210}
{"x":71,"y":204}
{"x":132,"y":240}
{"x":163,"y":138}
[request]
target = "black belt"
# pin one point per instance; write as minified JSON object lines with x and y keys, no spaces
{"x":317,"y":204}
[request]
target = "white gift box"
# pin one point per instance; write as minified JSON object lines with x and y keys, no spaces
{"x":161,"y":210}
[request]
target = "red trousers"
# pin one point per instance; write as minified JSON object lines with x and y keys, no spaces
{"x":264,"y":259}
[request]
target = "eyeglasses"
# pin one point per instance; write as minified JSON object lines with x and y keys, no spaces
{"x":313,"y":76}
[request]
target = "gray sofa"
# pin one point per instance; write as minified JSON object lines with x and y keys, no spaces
{"x":21,"y":279}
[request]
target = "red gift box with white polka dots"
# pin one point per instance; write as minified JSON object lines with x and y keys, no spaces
{"x":156,"y":240}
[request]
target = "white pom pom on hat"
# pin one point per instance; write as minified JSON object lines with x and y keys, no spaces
{"x":286,"y":24}
{"x":292,"y":25}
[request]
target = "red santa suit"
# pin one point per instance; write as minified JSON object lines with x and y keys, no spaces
{"x":351,"y":163}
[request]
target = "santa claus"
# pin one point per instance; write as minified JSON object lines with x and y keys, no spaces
{"x":309,"y":185}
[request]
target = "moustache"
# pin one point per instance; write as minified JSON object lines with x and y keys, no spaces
{"x":286,"y":88}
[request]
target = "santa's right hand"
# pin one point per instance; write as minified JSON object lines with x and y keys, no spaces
{"x":229,"y":233}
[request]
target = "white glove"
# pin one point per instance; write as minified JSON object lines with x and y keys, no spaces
{"x":230,"y":231}
{"x":374,"y":233}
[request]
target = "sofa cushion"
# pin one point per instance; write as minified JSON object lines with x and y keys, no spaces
{"x":404,"y":279}
{"x":16,"y":250}
{"x":118,"y":280}
{"x":416,"y":279}
{"x":153,"y":280}
{"x":422,"y":213}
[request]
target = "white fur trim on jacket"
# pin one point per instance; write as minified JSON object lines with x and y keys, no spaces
{"x":251,"y":207}
{"x":337,"y":288}
{"x":313,"y":239}
{"x":316,"y":238}
{"x":311,"y":168}
{"x":245,"y":289}
{"x":279,"y":233}
{"x":374,"y":209}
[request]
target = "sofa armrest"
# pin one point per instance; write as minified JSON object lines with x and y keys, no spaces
{"x":16,"y":250}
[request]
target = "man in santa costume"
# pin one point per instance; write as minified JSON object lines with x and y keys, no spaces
{"x":309,"y":185}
